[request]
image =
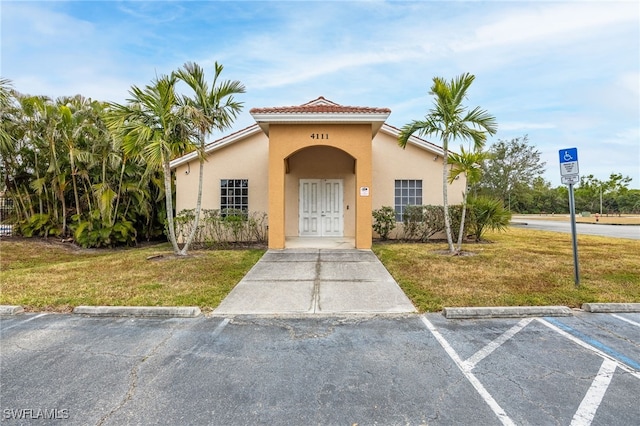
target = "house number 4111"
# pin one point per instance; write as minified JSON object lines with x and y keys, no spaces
{"x":319,"y":135}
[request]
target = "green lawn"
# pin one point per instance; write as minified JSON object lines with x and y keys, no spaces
{"x":49,"y":276}
{"x":519,"y":267}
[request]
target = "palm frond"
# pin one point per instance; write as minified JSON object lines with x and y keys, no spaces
{"x":422,"y":127}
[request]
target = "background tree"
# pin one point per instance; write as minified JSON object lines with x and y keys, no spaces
{"x":56,"y":142}
{"x":629,"y":201}
{"x":512,"y":167}
{"x":29,"y":152}
{"x":594,"y":195}
{"x":73,"y":127}
{"x":67,"y":173}
{"x":544,"y":199}
{"x":450,"y":120}
{"x":6,"y":101}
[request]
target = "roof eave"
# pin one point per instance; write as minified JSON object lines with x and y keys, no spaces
{"x":216,"y":145}
{"x":414,"y":140}
{"x":265,"y":119}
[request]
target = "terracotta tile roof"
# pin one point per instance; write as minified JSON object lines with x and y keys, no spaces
{"x":319,"y":106}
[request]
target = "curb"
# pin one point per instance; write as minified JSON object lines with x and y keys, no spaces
{"x":139,"y":311}
{"x":610,"y":307}
{"x":449,"y":313}
{"x":507,"y":312}
{"x":11,"y":309}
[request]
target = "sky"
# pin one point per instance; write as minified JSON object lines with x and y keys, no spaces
{"x":566,"y":74}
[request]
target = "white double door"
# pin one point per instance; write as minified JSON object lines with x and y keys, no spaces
{"x":320,"y":209}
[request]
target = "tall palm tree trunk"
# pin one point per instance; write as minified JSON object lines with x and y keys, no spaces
{"x":445,"y":199}
{"x":196,"y":221}
{"x":464,"y":213}
{"x":115,"y":210}
{"x":75,"y":184}
{"x":64,"y":208}
{"x":38,"y":193}
{"x":169,"y":206}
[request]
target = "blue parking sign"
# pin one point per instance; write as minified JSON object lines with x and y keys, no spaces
{"x":569,"y":162}
{"x":568,"y":155}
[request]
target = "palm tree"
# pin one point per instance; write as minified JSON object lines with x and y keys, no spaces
{"x":6,"y":96}
{"x":49,"y":119}
{"x":469,"y":164}
{"x":154,"y":126}
{"x":31,"y":122}
{"x":7,"y":124}
{"x":72,"y":124}
{"x":210,"y":108}
{"x":449,"y":119}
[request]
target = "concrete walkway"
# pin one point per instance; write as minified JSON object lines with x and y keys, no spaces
{"x":316,"y":281}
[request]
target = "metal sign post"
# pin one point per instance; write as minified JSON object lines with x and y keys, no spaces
{"x":569,"y":176}
{"x":574,"y":237}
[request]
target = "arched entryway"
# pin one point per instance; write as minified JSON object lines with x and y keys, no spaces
{"x":320,"y":193}
{"x":327,"y":148}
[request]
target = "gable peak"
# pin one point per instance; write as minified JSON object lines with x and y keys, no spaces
{"x":321,"y":101}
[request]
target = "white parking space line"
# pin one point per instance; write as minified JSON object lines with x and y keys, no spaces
{"x":593,"y":398}
{"x":492,"y":403}
{"x":471,"y":362}
{"x":626,"y":320}
{"x":585,"y":345}
{"x":22,"y":322}
{"x":221,"y":327}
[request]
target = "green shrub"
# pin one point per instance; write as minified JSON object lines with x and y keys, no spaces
{"x":221,"y":228}
{"x":39,"y":225}
{"x":95,"y":233}
{"x":487,"y":213}
{"x":384,"y":221}
{"x":433,"y":222}
{"x":411,"y":220}
{"x":423,"y":222}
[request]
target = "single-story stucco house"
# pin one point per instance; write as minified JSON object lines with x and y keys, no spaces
{"x":317,"y":170}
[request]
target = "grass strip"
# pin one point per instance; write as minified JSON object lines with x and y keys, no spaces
{"x":41,"y":275}
{"x":517,"y":268}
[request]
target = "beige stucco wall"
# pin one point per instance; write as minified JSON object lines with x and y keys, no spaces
{"x":348,"y":154}
{"x":244,"y":159}
{"x":391,"y":162}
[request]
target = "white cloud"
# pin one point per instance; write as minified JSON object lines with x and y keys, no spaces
{"x":300,"y":68}
{"x":625,"y":138}
{"x":630,"y":81}
{"x":564,"y":73}
{"x":548,"y":23}
{"x":524,"y":126}
{"x":152,"y":13}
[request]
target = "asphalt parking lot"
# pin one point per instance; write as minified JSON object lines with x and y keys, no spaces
{"x":386,"y":370}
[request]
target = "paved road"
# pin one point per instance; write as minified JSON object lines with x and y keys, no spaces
{"x":615,"y":231}
{"x":391,"y":370}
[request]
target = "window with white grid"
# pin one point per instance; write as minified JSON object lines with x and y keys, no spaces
{"x":408,"y":192}
{"x":234,"y":195}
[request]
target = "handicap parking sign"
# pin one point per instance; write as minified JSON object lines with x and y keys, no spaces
{"x":569,"y":162}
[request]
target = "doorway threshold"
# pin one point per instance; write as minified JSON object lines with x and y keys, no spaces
{"x":338,"y":243}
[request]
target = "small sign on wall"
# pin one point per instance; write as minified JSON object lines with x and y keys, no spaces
{"x":364,"y":191}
